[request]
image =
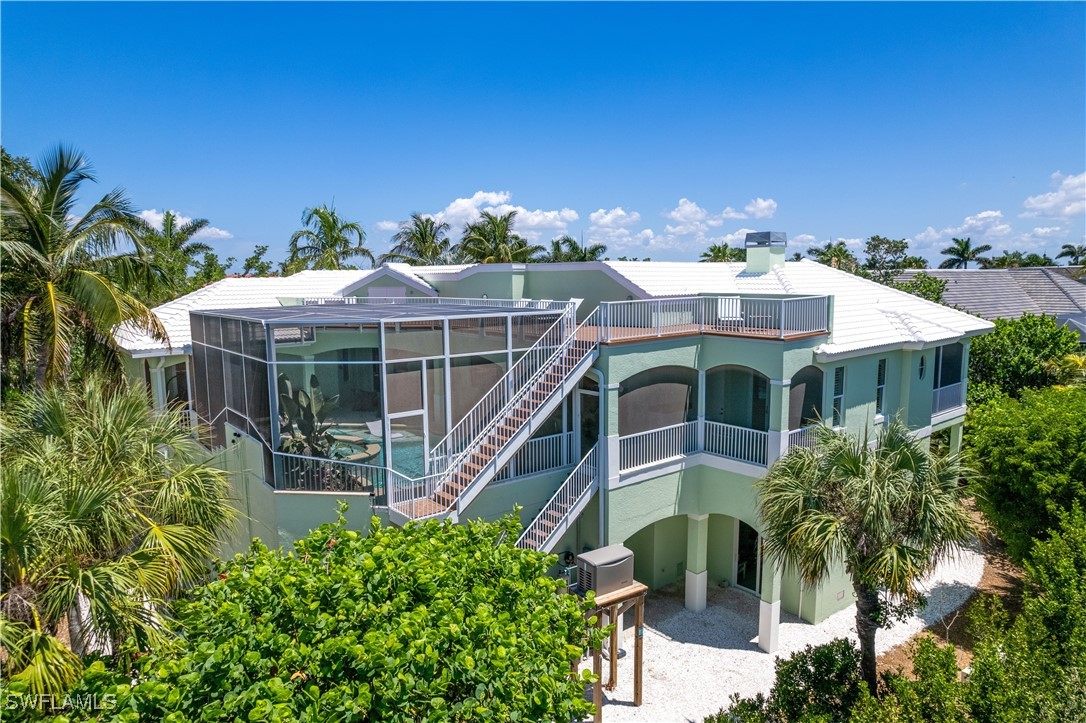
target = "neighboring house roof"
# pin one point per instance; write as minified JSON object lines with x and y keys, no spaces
{"x":867,"y":316}
{"x":1010,"y":293}
{"x":230,"y":293}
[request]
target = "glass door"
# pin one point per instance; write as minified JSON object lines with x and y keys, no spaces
{"x":748,"y":558}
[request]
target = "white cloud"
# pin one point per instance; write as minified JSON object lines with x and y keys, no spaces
{"x":1067,"y":201}
{"x":529,"y":223}
{"x":761,"y":208}
{"x":986,"y":225}
{"x":154,"y":217}
{"x":466,"y":210}
{"x":691,"y":219}
{"x":1047,"y":231}
{"x":737,"y":238}
{"x":804,"y":239}
{"x":687,"y":212}
{"x":617,"y":217}
{"x":387,"y":226}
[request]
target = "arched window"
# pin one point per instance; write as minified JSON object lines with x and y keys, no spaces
{"x":656,"y":398}
{"x":737,"y":395}
{"x":805,"y":398}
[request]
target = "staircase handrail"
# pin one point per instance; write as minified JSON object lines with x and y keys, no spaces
{"x":519,"y":395}
{"x":563,"y":492}
{"x":445,"y":448}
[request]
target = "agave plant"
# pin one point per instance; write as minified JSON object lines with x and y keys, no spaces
{"x":303,"y":417}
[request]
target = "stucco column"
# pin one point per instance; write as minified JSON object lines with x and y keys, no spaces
{"x":609,"y":452}
{"x":956,"y":438}
{"x":779,"y":391}
{"x":697,"y":561}
{"x":769,"y":610}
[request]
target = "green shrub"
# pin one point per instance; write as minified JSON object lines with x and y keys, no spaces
{"x":1016,"y":355}
{"x":819,"y":683}
{"x":429,"y":622}
{"x":1031,"y":456}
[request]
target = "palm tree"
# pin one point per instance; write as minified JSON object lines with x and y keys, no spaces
{"x":722,"y":253}
{"x":835,"y":255}
{"x":962,"y":252}
{"x":109,"y":506}
{"x":421,"y":241}
{"x":1075,"y":255}
{"x":566,"y":249}
{"x":68,"y":280}
{"x":491,"y":240}
{"x":175,"y":250}
{"x":887,"y":513}
{"x":326,"y":242}
{"x":1069,"y":370}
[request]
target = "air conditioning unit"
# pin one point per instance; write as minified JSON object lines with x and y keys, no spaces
{"x":605,"y":570}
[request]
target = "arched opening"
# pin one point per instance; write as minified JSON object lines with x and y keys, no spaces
{"x":656,"y":398}
{"x":737,"y":395}
{"x":805,"y":398}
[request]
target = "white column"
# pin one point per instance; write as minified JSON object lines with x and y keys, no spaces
{"x":769,"y":610}
{"x":697,"y":569}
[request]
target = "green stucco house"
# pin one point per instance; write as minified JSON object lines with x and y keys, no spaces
{"x":632,"y":402}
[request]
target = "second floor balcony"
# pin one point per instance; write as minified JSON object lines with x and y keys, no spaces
{"x":742,"y":316}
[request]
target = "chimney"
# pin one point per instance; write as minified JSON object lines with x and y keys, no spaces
{"x":765,"y":250}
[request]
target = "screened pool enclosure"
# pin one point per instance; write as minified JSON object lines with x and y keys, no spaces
{"x":343,"y":394}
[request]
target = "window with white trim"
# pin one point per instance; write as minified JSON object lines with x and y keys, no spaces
{"x":880,"y":388}
{"x":839,"y":397}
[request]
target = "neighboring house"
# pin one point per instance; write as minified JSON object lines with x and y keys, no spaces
{"x":1011,"y":293}
{"x":633,"y":402}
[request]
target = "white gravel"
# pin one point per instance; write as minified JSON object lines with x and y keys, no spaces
{"x":693,"y":662}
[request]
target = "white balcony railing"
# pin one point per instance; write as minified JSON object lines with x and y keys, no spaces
{"x":314,"y":474}
{"x":540,"y":454}
{"x":948,"y":397}
{"x":739,"y":443}
{"x":738,"y":315}
{"x":804,"y":437}
{"x":657,"y":445}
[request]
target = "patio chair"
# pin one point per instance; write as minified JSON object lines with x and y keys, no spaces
{"x":376,"y":431}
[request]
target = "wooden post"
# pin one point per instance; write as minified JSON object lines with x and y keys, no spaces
{"x":612,"y":679}
{"x":597,"y":670}
{"x":639,"y":644}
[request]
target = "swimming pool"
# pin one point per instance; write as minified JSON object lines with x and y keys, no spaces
{"x":408,"y":449}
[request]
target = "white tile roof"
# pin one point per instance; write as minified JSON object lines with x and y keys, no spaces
{"x":866,"y":315}
{"x":231,"y":293}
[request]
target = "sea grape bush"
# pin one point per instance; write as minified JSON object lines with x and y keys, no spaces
{"x":432,"y":621}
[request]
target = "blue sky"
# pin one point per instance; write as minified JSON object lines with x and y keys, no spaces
{"x":655,"y":128}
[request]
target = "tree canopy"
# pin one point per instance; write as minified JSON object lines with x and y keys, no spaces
{"x":1031,"y":453}
{"x":432,"y":621}
{"x":326,"y":241}
{"x":887,"y":511}
{"x":68,"y":279}
{"x":1018,"y":354}
{"x":106,"y":503}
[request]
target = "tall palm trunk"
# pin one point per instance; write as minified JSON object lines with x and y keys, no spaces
{"x":867,"y":605}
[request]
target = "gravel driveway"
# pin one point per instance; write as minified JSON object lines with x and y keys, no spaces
{"x":695,"y":661}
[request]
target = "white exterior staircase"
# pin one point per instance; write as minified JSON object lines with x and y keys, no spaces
{"x":544,"y":532}
{"x":485,"y":440}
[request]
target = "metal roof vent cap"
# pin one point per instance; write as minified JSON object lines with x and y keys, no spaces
{"x":765,"y":249}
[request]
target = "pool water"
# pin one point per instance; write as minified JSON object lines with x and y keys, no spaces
{"x":408,"y":451}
